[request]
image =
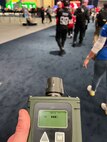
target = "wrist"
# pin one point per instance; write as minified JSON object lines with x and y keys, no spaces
{"x":88,"y":58}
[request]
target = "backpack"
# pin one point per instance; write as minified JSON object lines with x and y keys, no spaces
{"x":102,"y":17}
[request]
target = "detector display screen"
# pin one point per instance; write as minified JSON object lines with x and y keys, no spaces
{"x":52,"y":119}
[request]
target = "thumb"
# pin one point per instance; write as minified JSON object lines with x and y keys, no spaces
{"x":22,"y":128}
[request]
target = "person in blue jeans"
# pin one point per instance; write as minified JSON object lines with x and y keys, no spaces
{"x":99,"y":51}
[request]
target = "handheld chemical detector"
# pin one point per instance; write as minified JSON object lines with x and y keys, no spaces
{"x":55,"y":118}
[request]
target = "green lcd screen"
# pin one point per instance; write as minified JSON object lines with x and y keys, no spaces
{"x":52,"y":119}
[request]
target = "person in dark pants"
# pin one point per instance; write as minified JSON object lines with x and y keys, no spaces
{"x":100,"y":66}
{"x":3,"y":10}
{"x":63,"y":16}
{"x":49,"y":12}
{"x":82,"y":16}
{"x":42,"y":14}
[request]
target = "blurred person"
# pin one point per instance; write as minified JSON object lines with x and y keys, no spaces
{"x":26,"y":14}
{"x":100,"y":20}
{"x":22,"y":128}
{"x":3,"y":10}
{"x":82,"y":18}
{"x":71,"y":24}
{"x":33,"y":11}
{"x":42,"y":14}
{"x":93,"y":16}
{"x":59,"y":4}
{"x":99,"y":52}
{"x":49,"y":12}
{"x":63,"y":16}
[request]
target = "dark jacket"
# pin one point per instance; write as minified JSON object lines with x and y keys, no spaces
{"x":82,"y":15}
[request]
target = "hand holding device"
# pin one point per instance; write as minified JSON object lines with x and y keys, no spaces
{"x":22,"y":128}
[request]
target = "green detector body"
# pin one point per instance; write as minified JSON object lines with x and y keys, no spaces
{"x":54,"y":119}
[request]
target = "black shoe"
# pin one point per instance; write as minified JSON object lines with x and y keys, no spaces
{"x":62,"y":52}
{"x":79,"y":44}
{"x":74,"y":44}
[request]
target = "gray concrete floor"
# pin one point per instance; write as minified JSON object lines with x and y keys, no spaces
{"x":11,"y":27}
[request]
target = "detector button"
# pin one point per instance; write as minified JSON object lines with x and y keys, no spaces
{"x":59,"y":137}
{"x":44,"y":138}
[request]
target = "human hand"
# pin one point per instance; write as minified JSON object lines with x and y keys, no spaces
{"x":85,"y":64}
{"x":22,"y":128}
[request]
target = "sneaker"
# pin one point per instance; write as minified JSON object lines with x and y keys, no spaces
{"x":91,"y":92}
{"x":104,"y":107}
{"x":71,"y":35}
{"x":68,"y":36}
